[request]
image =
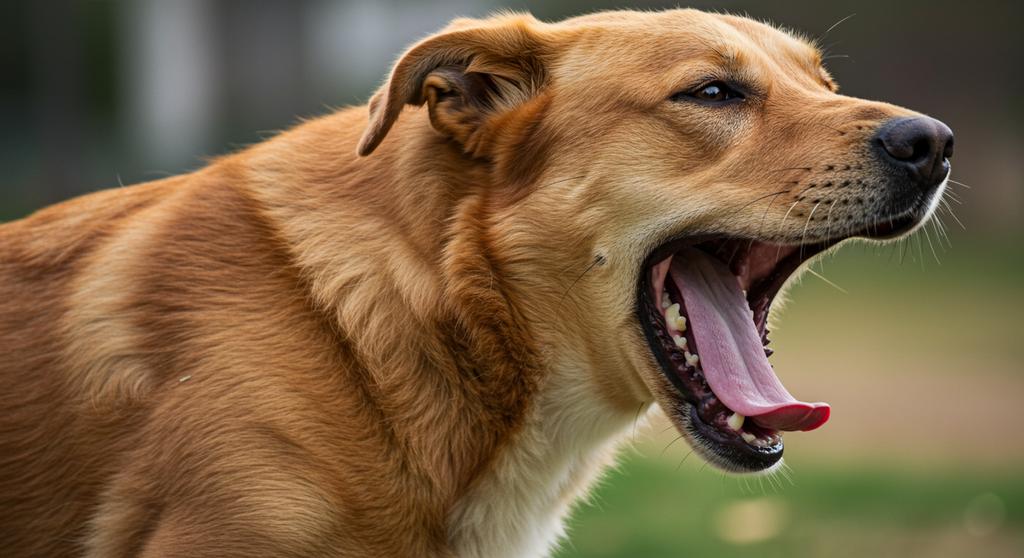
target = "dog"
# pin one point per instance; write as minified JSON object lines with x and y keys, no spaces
{"x":423,"y":327}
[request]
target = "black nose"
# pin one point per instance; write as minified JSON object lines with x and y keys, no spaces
{"x":920,"y":144}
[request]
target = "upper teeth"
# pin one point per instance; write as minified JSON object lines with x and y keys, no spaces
{"x":665,"y":301}
{"x":735,"y":421}
{"x":680,"y":341}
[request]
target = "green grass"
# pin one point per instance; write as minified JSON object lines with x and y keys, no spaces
{"x":647,"y":508}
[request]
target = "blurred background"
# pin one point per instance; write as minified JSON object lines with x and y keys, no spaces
{"x":918,"y":346}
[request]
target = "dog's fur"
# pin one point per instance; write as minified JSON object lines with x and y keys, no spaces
{"x":402,"y":331}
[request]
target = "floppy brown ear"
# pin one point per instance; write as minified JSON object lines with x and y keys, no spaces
{"x":471,"y":72}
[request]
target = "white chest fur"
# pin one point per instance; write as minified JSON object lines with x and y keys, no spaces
{"x":518,"y":508}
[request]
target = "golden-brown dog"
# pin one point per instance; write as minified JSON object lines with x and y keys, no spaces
{"x":420,"y":329}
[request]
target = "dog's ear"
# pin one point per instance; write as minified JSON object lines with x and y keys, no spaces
{"x":468,"y":75}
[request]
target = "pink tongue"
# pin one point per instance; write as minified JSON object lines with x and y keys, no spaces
{"x":731,"y":354}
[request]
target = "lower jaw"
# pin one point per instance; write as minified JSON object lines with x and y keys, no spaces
{"x":726,"y":453}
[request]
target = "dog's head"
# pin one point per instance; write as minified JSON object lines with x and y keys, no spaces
{"x":658,"y":177}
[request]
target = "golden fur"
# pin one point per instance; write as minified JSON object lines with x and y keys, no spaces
{"x":426,"y":348}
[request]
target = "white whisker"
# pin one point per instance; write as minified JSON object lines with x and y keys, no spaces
{"x":931,"y":246}
{"x":803,"y":236}
{"x":827,"y":281}
{"x":952,"y":214}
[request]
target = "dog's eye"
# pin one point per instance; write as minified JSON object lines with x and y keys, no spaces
{"x":714,"y":92}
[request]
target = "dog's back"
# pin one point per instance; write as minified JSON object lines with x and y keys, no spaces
{"x":170,"y":382}
{"x":106,"y":334}
{"x":52,"y":457}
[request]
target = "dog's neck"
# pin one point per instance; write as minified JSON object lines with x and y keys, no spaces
{"x":495,"y":412}
{"x":570,"y":437}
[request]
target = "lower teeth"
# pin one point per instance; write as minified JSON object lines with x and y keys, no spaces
{"x":691,"y":359}
{"x":677,"y":322}
{"x":735,"y":421}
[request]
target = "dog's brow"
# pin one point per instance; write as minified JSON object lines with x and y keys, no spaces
{"x":726,"y":56}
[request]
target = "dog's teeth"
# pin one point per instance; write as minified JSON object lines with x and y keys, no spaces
{"x":735,"y":421}
{"x":680,"y":341}
{"x":665,"y":301}
{"x":748,"y":437}
{"x":673,"y":319}
{"x":691,"y":359}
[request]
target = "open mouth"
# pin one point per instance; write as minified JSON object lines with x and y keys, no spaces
{"x":703,"y":306}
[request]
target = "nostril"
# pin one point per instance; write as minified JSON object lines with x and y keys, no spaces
{"x":899,"y":150}
{"x":921,"y":151}
{"x":908,"y":139}
{"x":947,"y":151}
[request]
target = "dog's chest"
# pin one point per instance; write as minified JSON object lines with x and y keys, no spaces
{"x":518,"y":508}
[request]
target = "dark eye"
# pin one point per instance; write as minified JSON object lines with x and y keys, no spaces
{"x":714,"y":92}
